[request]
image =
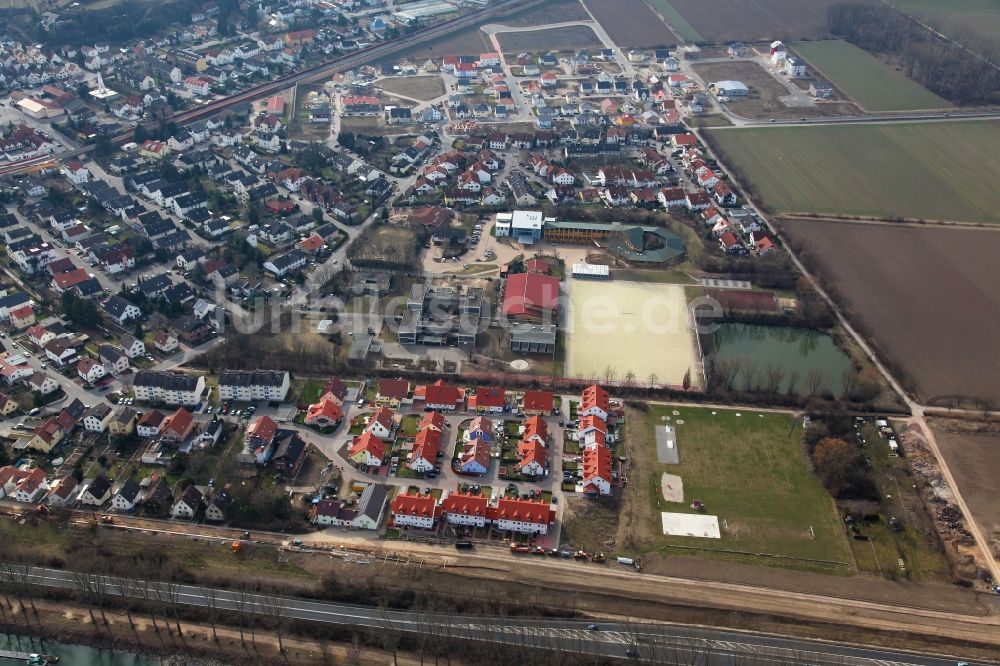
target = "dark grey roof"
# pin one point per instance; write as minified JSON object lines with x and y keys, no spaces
{"x":155,"y":284}
{"x":166,"y":380}
{"x":376,"y":502}
{"x":14,"y":300}
{"x":175,"y":239}
{"x":116,"y":306}
{"x":192,"y":497}
{"x":129,"y":491}
{"x":288,"y":259}
{"x":99,"y":487}
{"x":110,"y":353}
{"x":252,"y":378}
{"x":89,"y":287}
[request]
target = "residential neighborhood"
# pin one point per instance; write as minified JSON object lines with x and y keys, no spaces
{"x":362,"y":331}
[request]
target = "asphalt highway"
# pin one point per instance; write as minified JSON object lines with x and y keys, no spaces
{"x":650,"y":642}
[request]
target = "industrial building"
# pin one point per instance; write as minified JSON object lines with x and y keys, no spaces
{"x":730,"y":89}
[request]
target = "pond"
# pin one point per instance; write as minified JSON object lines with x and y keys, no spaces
{"x":767,"y":357}
{"x":72,"y":655}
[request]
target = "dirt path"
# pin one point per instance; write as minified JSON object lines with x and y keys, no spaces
{"x":970,"y":518}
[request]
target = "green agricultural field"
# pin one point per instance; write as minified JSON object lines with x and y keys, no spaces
{"x":873,"y":84}
{"x":750,"y":470}
{"x":931,"y":171}
{"x":684,"y":30}
{"x":958,"y":18}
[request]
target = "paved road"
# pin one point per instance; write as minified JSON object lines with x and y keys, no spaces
{"x":651,"y":642}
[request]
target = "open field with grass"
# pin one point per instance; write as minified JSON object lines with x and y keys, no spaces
{"x":925,"y":296}
{"x":728,"y":20}
{"x":748,"y":469}
{"x":631,"y":23}
{"x":423,"y":88}
{"x":959,"y":19}
{"x":870,"y":82}
{"x":926,"y":171}
{"x":567,"y":38}
{"x":676,"y":20}
{"x":554,"y":11}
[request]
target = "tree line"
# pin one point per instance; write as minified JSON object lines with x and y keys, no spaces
{"x":946,"y":68}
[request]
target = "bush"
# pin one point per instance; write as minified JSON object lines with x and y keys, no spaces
{"x":839,"y":466}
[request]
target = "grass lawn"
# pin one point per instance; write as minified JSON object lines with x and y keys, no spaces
{"x":684,"y":30}
{"x":310,"y":391}
{"x":408,"y":425}
{"x":867,"y":80}
{"x":929,"y":171}
{"x":423,"y":88}
{"x":748,"y":470}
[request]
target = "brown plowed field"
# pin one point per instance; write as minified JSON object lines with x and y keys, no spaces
{"x":728,"y":20}
{"x":926,"y":296}
{"x":631,"y":23}
{"x":974,"y":460}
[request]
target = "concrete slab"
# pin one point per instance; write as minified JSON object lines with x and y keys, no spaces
{"x":691,"y":525}
{"x":666,"y":445}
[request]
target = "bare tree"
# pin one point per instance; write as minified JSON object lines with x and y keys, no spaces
{"x":83,"y":582}
{"x":389,"y":635}
{"x":276,"y":608}
{"x":727,"y":370}
{"x":146,"y":590}
{"x":126,"y":588}
{"x":212,"y":602}
{"x":244,"y":600}
{"x":793,"y":381}
{"x":22,"y":574}
{"x":171,"y":591}
{"x":652,"y":379}
{"x":814,"y":381}
{"x":849,"y":383}
{"x":9,"y":578}
{"x":774,"y":374}
{"x":751,"y":376}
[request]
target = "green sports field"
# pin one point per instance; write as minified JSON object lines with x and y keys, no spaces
{"x":931,"y":171}
{"x":751,"y":471}
{"x":873,"y":84}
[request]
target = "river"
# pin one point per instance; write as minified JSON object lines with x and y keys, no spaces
{"x":71,"y":655}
